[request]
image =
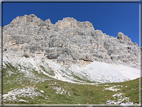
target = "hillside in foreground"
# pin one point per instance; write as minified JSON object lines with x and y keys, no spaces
{"x":68,"y":62}
{"x":41,"y":89}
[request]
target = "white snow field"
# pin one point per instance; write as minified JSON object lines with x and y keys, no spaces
{"x":95,"y":72}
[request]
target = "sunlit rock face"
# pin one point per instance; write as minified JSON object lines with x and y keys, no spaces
{"x":67,"y":42}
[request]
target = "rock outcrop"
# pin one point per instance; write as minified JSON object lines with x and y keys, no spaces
{"x":67,"y":42}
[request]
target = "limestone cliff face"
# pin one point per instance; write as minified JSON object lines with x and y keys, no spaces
{"x":67,"y":42}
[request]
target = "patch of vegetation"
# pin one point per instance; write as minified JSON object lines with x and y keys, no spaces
{"x":73,"y":93}
{"x":79,"y":94}
{"x":50,"y":72}
{"x":10,"y":67}
{"x":130,"y":88}
{"x":46,"y":86}
{"x":13,"y":78}
{"x":41,"y":75}
{"x":10,"y":74}
{"x":83,"y":79}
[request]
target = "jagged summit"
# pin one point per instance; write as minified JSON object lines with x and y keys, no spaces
{"x":122,"y":36}
{"x":27,"y":18}
{"x":67,"y":42}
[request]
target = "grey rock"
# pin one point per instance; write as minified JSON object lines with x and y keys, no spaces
{"x":52,"y":56}
{"x":122,"y":36}
{"x":56,"y":43}
{"x":68,"y":41}
{"x":21,"y":39}
{"x":25,"y":55}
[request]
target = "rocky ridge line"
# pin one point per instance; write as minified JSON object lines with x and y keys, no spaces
{"x":67,"y":42}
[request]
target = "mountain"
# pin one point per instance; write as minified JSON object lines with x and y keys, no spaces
{"x":69,"y":50}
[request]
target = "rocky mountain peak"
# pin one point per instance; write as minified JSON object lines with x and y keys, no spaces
{"x":122,"y":36}
{"x":48,"y":21}
{"x":67,"y":42}
{"x":26,"y":19}
{"x":70,"y":22}
{"x":69,"y":19}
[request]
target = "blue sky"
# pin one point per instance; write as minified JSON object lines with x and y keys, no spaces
{"x":111,"y":18}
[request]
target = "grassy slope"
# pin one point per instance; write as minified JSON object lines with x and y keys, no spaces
{"x":75,"y":93}
{"x":131,"y":89}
